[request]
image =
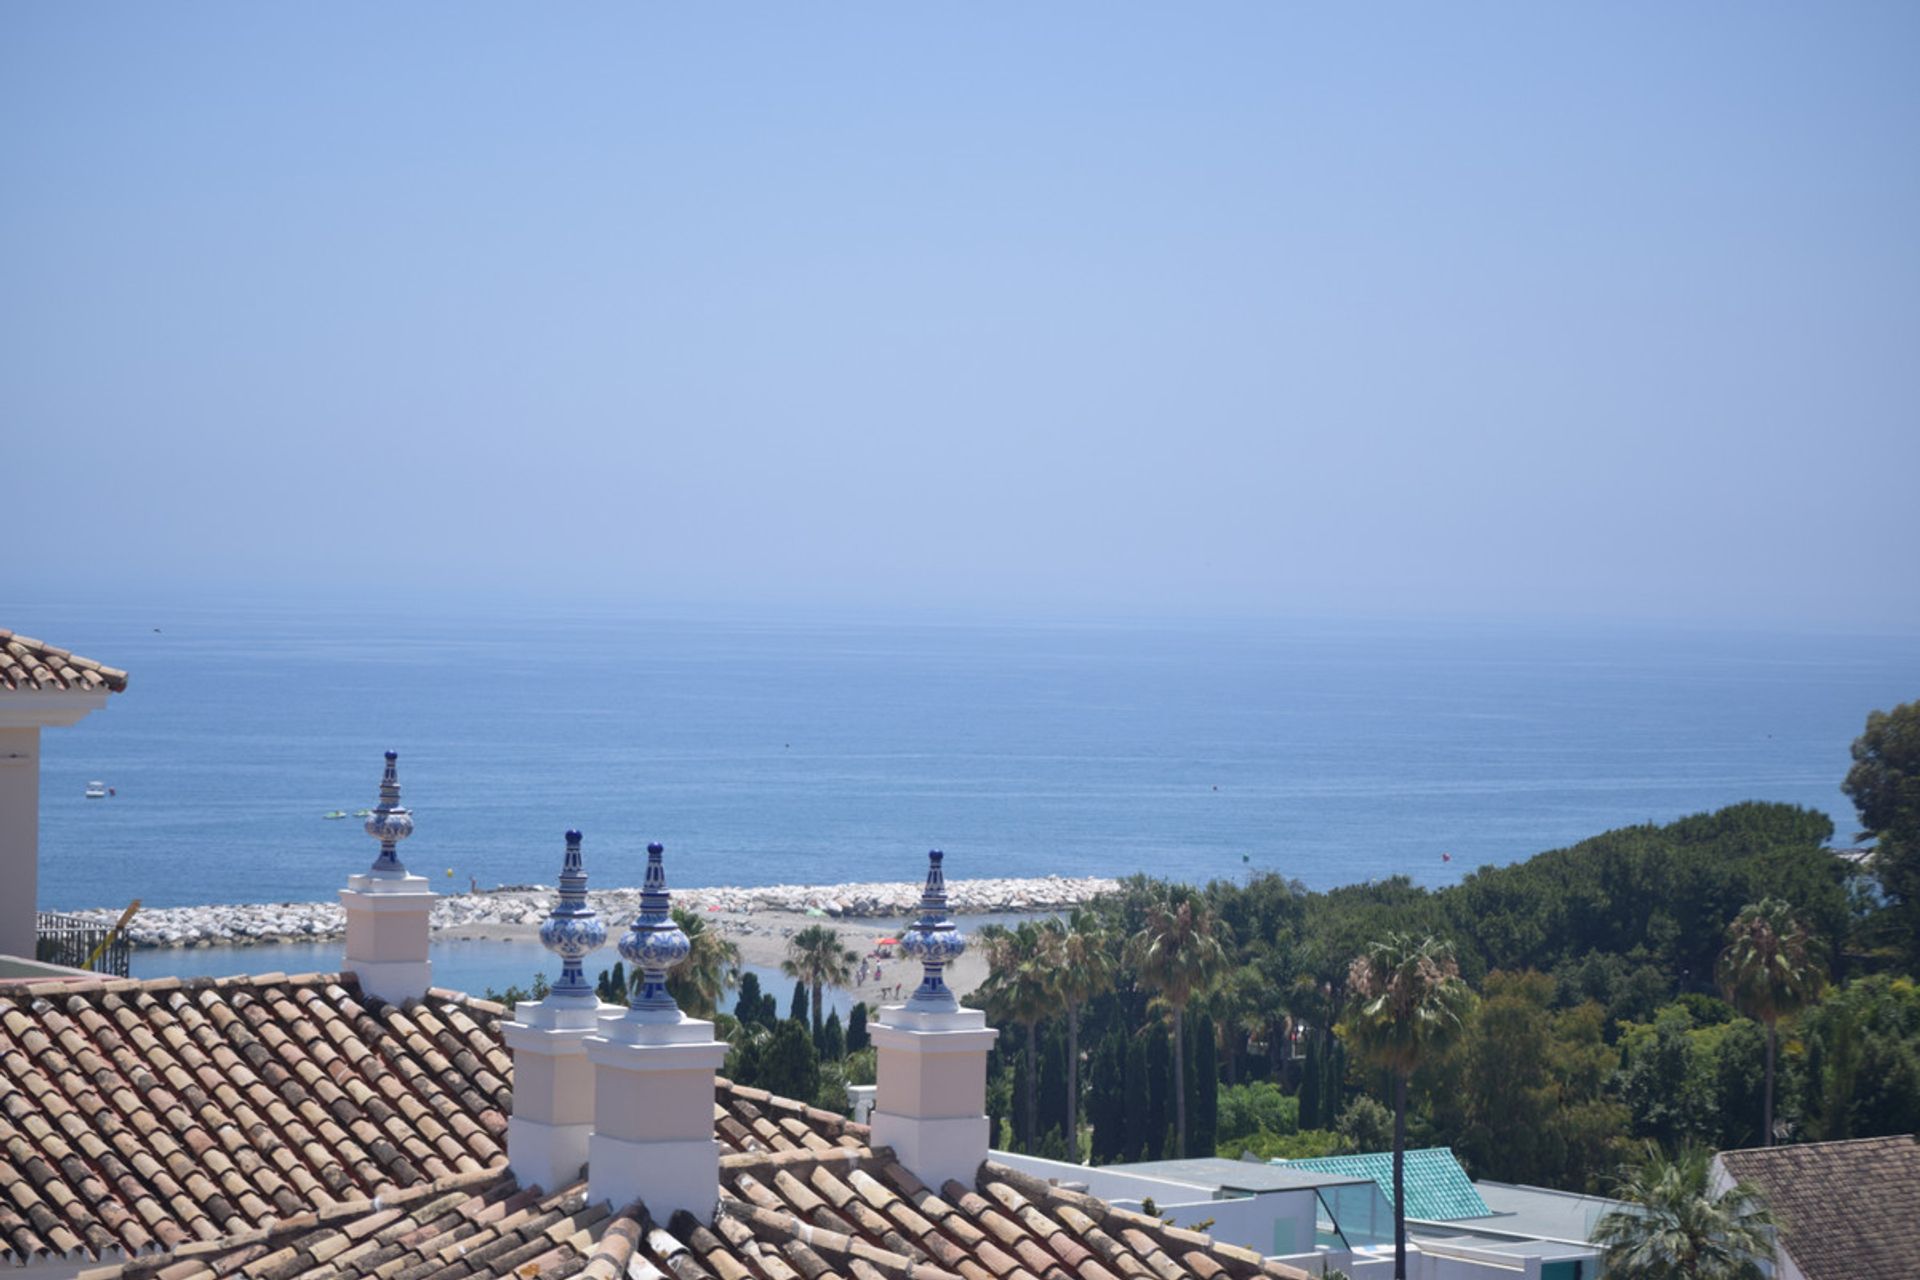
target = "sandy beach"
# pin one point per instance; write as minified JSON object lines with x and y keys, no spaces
{"x":758,"y":920}
{"x":762,"y":939}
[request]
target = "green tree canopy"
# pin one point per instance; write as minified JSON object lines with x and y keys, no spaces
{"x":787,"y":1063}
{"x":1884,"y":785}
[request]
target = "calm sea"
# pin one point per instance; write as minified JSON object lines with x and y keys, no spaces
{"x":769,"y":752}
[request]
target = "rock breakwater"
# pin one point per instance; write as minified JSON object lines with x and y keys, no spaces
{"x":245,"y":924}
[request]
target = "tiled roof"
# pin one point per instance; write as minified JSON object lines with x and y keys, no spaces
{"x":26,"y":663}
{"x":142,"y":1115}
{"x":794,"y":1216}
{"x":279,"y":1127}
{"x":1848,"y":1210}
{"x":1438,"y":1189}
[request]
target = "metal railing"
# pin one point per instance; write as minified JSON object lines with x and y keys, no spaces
{"x":70,"y":940}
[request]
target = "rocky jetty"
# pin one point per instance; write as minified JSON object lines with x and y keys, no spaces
{"x":248,"y":923}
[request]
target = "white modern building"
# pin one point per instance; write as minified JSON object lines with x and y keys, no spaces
{"x":1317,"y":1219}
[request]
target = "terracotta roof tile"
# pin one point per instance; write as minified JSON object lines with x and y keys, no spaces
{"x":136,"y":1115}
{"x":289,"y":1130}
{"x":29,"y":664}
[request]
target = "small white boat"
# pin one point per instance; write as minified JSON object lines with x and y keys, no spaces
{"x":96,"y":791}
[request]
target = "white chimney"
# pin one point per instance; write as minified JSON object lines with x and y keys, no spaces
{"x":653,"y":1078}
{"x":931,"y":1101}
{"x":389,"y":913}
{"x":552,"y":1116}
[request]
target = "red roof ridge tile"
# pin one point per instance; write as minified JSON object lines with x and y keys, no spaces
{"x":360,"y":1208}
{"x":481,"y":1003}
{"x":755,"y":1163}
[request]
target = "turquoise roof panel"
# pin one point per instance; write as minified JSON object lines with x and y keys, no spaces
{"x":1437,"y":1187}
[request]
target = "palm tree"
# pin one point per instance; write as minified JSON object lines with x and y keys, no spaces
{"x":710,"y":970}
{"x":1086,"y":969}
{"x":817,"y":957}
{"x":1179,"y":954}
{"x":1769,"y":970}
{"x":1022,"y":964}
{"x":1407,"y":1001}
{"x":1676,"y":1228}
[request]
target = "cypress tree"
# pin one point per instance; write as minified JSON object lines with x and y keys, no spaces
{"x":1310,"y":1085}
{"x":1022,"y":1140}
{"x":999,"y":1100}
{"x":1053,"y":1082}
{"x":746,"y":1010}
{"x":788,"y":1065}
{"x":857,"y":1037}
{"x":743,"y":1062}
{"x":798,"y":1009}
{"x":1106,"y":1098}
{"x":1203,"y":1088}
{"x":1159,"y":1093}
{"x":1333,"y":1083}
{"x":833,"y":1044}
{"x":1138,"y":1101}
{"x":612,"y":986}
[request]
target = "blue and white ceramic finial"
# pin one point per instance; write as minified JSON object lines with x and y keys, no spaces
{"x":572,"y":928}
{"x":390,"y":822}
{"x":935,"y":942}
{"x":653,"y":944}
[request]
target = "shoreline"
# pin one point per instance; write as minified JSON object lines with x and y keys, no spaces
{"x":515,"y":911}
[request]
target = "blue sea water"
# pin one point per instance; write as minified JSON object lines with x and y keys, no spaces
{"x":778,"y":751}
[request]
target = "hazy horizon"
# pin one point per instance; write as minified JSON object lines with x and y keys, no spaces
{"x":1491,"y":312}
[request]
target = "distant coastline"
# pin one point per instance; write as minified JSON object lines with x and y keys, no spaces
{"x":769,"y":755}
{"x":516,"y":910}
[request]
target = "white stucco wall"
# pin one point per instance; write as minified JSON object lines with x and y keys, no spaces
{"x":19,"y":838}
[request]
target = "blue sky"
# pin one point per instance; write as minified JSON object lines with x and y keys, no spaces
{"x":1517,"y":310}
